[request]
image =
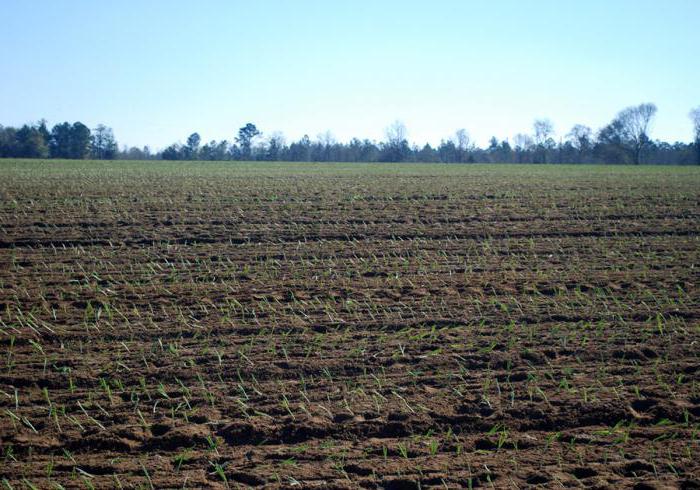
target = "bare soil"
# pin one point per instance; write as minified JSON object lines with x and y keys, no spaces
{"x":452,"y":328}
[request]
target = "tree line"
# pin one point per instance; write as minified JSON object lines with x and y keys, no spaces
{"x":65,"y":140}
{"x":626,"y":139}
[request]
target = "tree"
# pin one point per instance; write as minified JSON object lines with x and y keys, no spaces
{"x":207,"y":151}
{"x":324,"y":147}
{"x":104,"y":146}
{"x":447,"y":151}
{"x":630,"y":130}
{"x":191,"y":149}
{"x":80,"y":141}
{"x":580,"y":137}
{"x":695,"y":117}
{"x":245,"y":139}
{"x":8,"y":142}
{"x":275,"y":146}
{"x":636,"y":122}
{"x":214,"y":151}
{"x":396,"y":148}
{"x":523,"y":145}
{"x":221,"y":152}
{"x":462,"y":144}
{"x":70,"y":141}
{"x":544,"y":130}
{"x":426,"y":154}
{"x":368,"y":151}
{"x":396,"y":133}
{"x":172,"y":152}
{"x":30,"y":143}
{"x":610,"y":147}
{"x":502,"y":152}
{"x":300,"y":151}
{"x":135,"y":153}
{"x":43,"y":130}
{"x":60,"y":142}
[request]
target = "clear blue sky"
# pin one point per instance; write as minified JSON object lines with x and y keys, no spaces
{"x":155,"y":71}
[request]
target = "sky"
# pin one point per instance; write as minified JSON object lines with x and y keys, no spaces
{"x":156,"y":71}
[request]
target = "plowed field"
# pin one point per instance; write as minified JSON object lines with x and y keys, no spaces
{"x":208,"y":325}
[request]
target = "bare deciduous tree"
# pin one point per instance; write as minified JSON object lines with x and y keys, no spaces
{"x":463,"y":144}
{"x":104,"y":146}
{"x":580,"y":136}
{"x":275,"y":144}
{"x":396,"y":148}
{"x":544,"y":130}
{"x":633,"y":126}
{"x":522,"y":141}
{"x":396,"y":133}
{"x":695,"y":117}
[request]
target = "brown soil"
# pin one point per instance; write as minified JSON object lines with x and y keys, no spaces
{"x":387,"y":331}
